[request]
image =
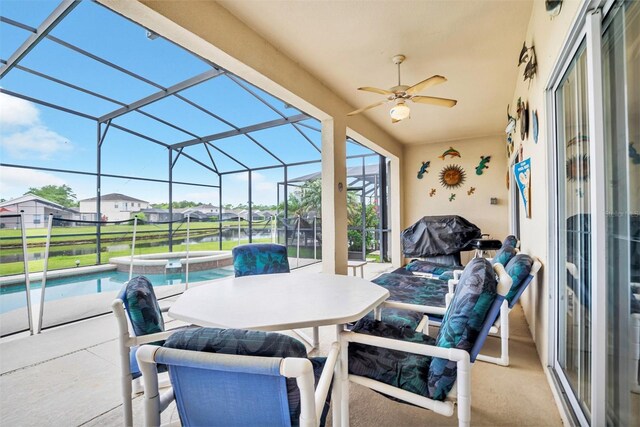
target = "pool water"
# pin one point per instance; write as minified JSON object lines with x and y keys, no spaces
{"x":13,"y":297}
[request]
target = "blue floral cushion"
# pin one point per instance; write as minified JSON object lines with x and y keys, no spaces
{"x":142,"y":306}
{"x":518,"y":268}
{"x":252,"y":343}
{"x":504,"y":255}
{"x":510,"y":240}
{"x":400,"y":369}
{"x":431,"y":267}
{"x":462,"y":321}
{"x":260,"y":258}
{"x":413,"y":289}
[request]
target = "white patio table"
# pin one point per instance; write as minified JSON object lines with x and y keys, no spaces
{"x":277,"y":302}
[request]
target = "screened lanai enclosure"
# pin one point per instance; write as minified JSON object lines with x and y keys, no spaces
{"x":145,"y":138}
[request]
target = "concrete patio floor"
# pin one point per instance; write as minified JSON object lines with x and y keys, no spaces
{"x":69,"y":376}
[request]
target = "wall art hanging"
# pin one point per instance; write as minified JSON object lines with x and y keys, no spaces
{"x":450,"y":152}
{"x":452,"y":176}
{"x":534,"y":120}
{"x":483,"y":164}
{"x":471,"y":191}
{"x":522,"y":174}
{"x":524,"y":122}
{"x":452,"y":197}
{"x":553,"y":7}
{"x":423,"y":169}
{"x":511,"y":127}
{"x":528,"y":57}
{"x":432,"y":192}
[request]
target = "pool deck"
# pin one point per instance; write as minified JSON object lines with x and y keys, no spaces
{"x":69,"y":375}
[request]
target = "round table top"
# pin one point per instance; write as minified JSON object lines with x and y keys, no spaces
{"x":276,"y":302}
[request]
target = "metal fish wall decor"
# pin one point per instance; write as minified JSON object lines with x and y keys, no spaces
{"x":450,"y":152}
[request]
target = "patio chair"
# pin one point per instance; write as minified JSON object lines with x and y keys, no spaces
{"x":434,"y":374}
{"x":522,"y":269}
{"x":225,"y":377}
{"x":266,"y":258}
{"x":140,"y":322}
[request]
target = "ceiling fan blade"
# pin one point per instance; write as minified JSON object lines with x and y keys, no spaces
{"x":395,"y":120}
{"x":360,"y":110}
{"x":431,"y":81}
{"x":376,"y":90}
{"x":440,"y":102}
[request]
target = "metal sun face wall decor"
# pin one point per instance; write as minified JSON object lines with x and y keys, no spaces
{"x":452,"y":176}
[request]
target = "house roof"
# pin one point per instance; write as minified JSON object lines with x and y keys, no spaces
{"x":32,"y":197}
{"x":115,"y":196}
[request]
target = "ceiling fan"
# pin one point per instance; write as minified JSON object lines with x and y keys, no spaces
{"x":400,"y":94}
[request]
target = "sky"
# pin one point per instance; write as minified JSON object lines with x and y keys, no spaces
{"x":39,"y":136}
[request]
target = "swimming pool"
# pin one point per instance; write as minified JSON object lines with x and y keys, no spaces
{"x":12,"y":297}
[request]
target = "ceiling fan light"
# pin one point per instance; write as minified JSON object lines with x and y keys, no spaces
{"x":400,"y":111}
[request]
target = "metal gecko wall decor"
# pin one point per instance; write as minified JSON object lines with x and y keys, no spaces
{"x":471,"y":191}
{"x":452,"y":197}
{"x":483,"y":164}
{"x":423,"y":169}
{"x":432,"y":192}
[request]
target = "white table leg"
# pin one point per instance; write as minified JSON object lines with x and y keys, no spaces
{"x":336,"y":391}
{"x":361,"y":271}
{"x":344,"y":366}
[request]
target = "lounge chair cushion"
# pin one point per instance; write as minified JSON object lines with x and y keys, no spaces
{"x":260,"y":258}
{"x":413,"y":289}
{"x":142,"y":307}
{"x":251,"y":343}
{"x":407,"y":371}
{"x":431,"y":267}
{"x":399,"y":318}
{"x":504,"y":255}
{"x":510,"y":240}
{"x":462,"y":321}
{"x":518,"y":268}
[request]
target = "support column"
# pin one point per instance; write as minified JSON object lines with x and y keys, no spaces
{"x":334,"y":196}
{"x":396,"y":201}
{"x":170,"y":229}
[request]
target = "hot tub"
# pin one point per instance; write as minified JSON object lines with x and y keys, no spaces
{"x":175,"y":261}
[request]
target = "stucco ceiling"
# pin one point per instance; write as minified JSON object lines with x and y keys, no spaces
{"x":348,"y":44}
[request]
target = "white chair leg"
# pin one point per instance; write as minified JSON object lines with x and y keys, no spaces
{"x":503,"y":359}
{"x":127,"y":407}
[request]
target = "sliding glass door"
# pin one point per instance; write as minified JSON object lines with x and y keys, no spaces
{"x":596,"y":250}
{"x":574,"y":233}
{"x":621,"y":87}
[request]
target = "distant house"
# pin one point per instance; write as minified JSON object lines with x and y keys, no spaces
{"x":200,"y":212}
{"x":160,"y":215}
{"x":113,"y":207}
{"x":207,"y":209}
{"x":36,"y":210}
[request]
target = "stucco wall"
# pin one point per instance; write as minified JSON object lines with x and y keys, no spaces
{"x":475,"y":207}
{"x":547,"y":35}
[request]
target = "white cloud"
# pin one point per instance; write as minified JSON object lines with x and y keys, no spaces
{"x":38,"y":141}
{"x":16,"y":182}
{"x":15,"y":112}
